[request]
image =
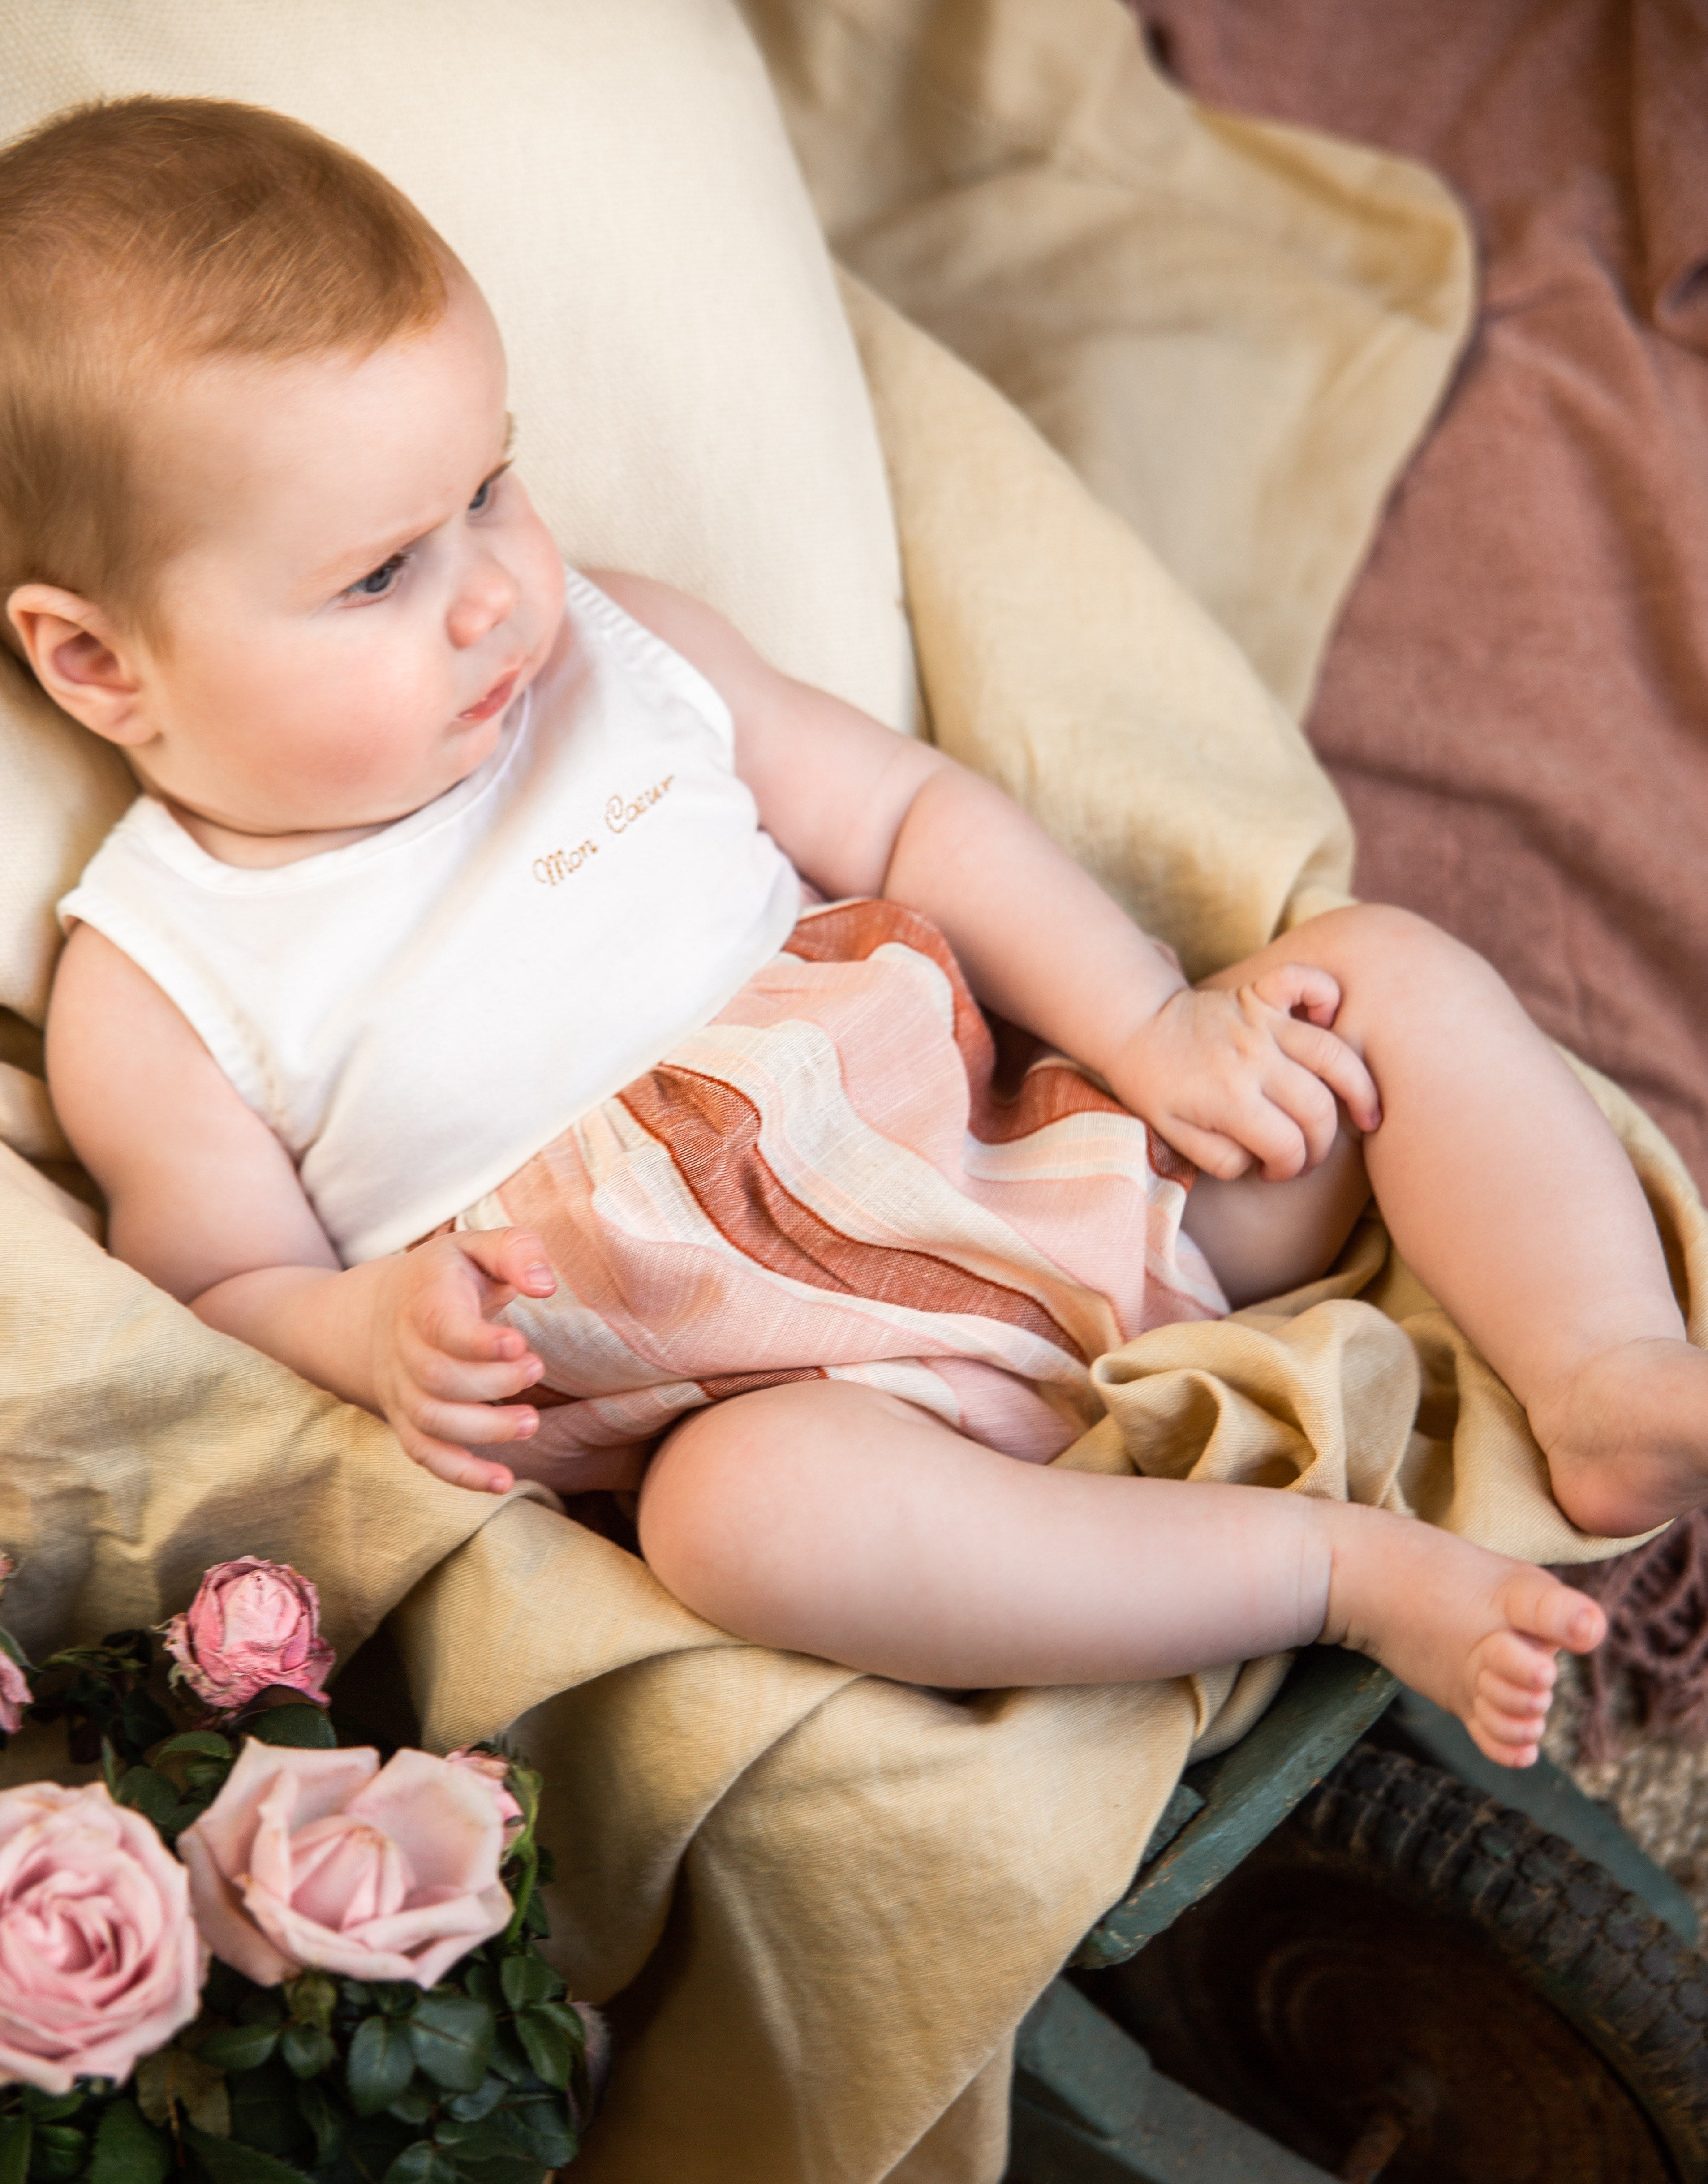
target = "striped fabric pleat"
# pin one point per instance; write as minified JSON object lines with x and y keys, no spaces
{"x":847,"y":1175}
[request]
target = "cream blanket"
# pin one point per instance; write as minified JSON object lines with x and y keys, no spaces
{"x":825,"y":1900}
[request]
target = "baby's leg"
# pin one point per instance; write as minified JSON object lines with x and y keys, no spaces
{"x":822,"y":1518}
{"x":1504,"y":1187}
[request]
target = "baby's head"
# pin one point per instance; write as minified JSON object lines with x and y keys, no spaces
{"x":255,"y":527}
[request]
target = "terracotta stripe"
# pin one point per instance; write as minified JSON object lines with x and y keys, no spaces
{"x":721,"y":1385}
{"x":710,"y":1131}
{"x":1009,"y":1100}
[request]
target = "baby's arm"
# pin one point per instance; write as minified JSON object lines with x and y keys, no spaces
{"x":1231,"y":1078}
{"x":203,"y":1199}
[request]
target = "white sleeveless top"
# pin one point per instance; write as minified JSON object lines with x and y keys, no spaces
{"x":416,"y":1014}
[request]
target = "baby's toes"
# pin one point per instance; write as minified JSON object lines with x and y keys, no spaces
{"x":1511,"y":1710}
{"x":1541,"y":1605}
{"x":1509,"y":1656}
{"x":1506,"y":1725}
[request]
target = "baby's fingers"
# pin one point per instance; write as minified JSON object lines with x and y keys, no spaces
{"x":1208,"y":1150}
{"x":442,"y":1373}
{"x":514,"y":1259}
{"x":455,"y":1466}
{"x":1292,"y":986}
{"x":1332,"y":1061}
{"x":444,"y":1437}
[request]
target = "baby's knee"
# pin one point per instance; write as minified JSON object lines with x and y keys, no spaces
{"x":1377,"y":948}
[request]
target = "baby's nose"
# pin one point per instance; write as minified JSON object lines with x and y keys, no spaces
{"x":487,"y":596}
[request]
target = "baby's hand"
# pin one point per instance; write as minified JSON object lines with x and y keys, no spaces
{"x":439,"y":1364}
{"x":1232,"y":1078}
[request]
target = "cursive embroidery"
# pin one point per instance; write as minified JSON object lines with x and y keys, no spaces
{"x":549,"y":871}
{"x":622,"y":812}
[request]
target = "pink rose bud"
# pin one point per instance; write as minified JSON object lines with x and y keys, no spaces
{"x":252,"y":1625}
{"x":326,"y":1860}
{"x":493,"y":1768}
{"x":99,"y":1961}
{"x":14,"y":1694}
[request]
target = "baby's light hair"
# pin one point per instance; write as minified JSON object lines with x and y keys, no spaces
{"x":140,"y":237}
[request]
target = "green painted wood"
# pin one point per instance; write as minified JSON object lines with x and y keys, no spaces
{"x":1325,"y":1705}
{"x":1090,"y":2109}
{"x":1078,"y":2064}
{"x":1182,"y":2140}
{"x":1542,"y":1793}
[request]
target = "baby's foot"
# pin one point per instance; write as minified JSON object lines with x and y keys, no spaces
{"x":1476,"y":1632}
{"x":1626,"y":1437}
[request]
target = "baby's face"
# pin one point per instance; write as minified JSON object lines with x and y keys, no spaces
{"x":368,"y":589}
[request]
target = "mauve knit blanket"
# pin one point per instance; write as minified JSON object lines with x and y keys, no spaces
{"x":1515,"y":702}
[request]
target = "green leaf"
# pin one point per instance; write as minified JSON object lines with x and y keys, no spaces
{"x":484,"y":2140}
{"x":305,"y":2049}
{"x":239,"y":2047}
{"x":204,"y":1743}
{"x":381,"y":2062}
{"x":52,"y":2108}
{"x":325,"y":2115}
{"x":528,"y":1979}
{"x":148,"y":1793}
{"x":412,"y":2105}
{"x":422,"y":2163}
{"x":452,"y":2036}
{"x":141,"y":1723}
{"x":58,"y":2154}
{"x":263,"y":2006}
{"x":225,"y":2161}
{"x":508,"y":2057}
{"x":127,"y":2150}
{"x":548,"y":2050}
{"x":301,"y":1725}
{"x":16,"y":2133}
{"x":396,"y":1997}
{"x":541,"y":2127}
{"x":264,"y":2113}
{"x":470,"y":2108}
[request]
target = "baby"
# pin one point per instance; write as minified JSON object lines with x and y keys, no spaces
{"x":527,"y":1014}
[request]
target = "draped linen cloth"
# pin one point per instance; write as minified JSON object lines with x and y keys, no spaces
{"x":822,"y":1900}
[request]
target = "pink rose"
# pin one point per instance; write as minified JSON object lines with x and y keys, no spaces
{"x":99,"y":1961}
{"x":328,"y":1859}
{"x":493,"y":1770}
{"x":252,"y":1625}
{"x":14,"y":1691}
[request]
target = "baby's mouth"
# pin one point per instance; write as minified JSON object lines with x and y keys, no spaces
{"x":495,"y":699}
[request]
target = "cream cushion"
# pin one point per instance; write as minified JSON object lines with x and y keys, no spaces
{"x":616,"y":177}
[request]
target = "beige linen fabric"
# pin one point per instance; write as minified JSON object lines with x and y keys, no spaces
{"x":1231,"y":329}
{"x":822,"y":1900}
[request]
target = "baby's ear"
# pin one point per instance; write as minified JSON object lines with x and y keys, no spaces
{"x":79,"y":659}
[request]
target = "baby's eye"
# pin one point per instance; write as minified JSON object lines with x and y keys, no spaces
{"x":377,"y":582}
{"x":483,"y":499}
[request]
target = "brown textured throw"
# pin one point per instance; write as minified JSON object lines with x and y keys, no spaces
{"x":1516,"y":704}
{"x":1653,"y":1671}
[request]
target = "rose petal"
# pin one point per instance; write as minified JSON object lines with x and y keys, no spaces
{"x":442,"y":1816}
{"x":380,"y":1873}
{"x":99,"y":1960}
